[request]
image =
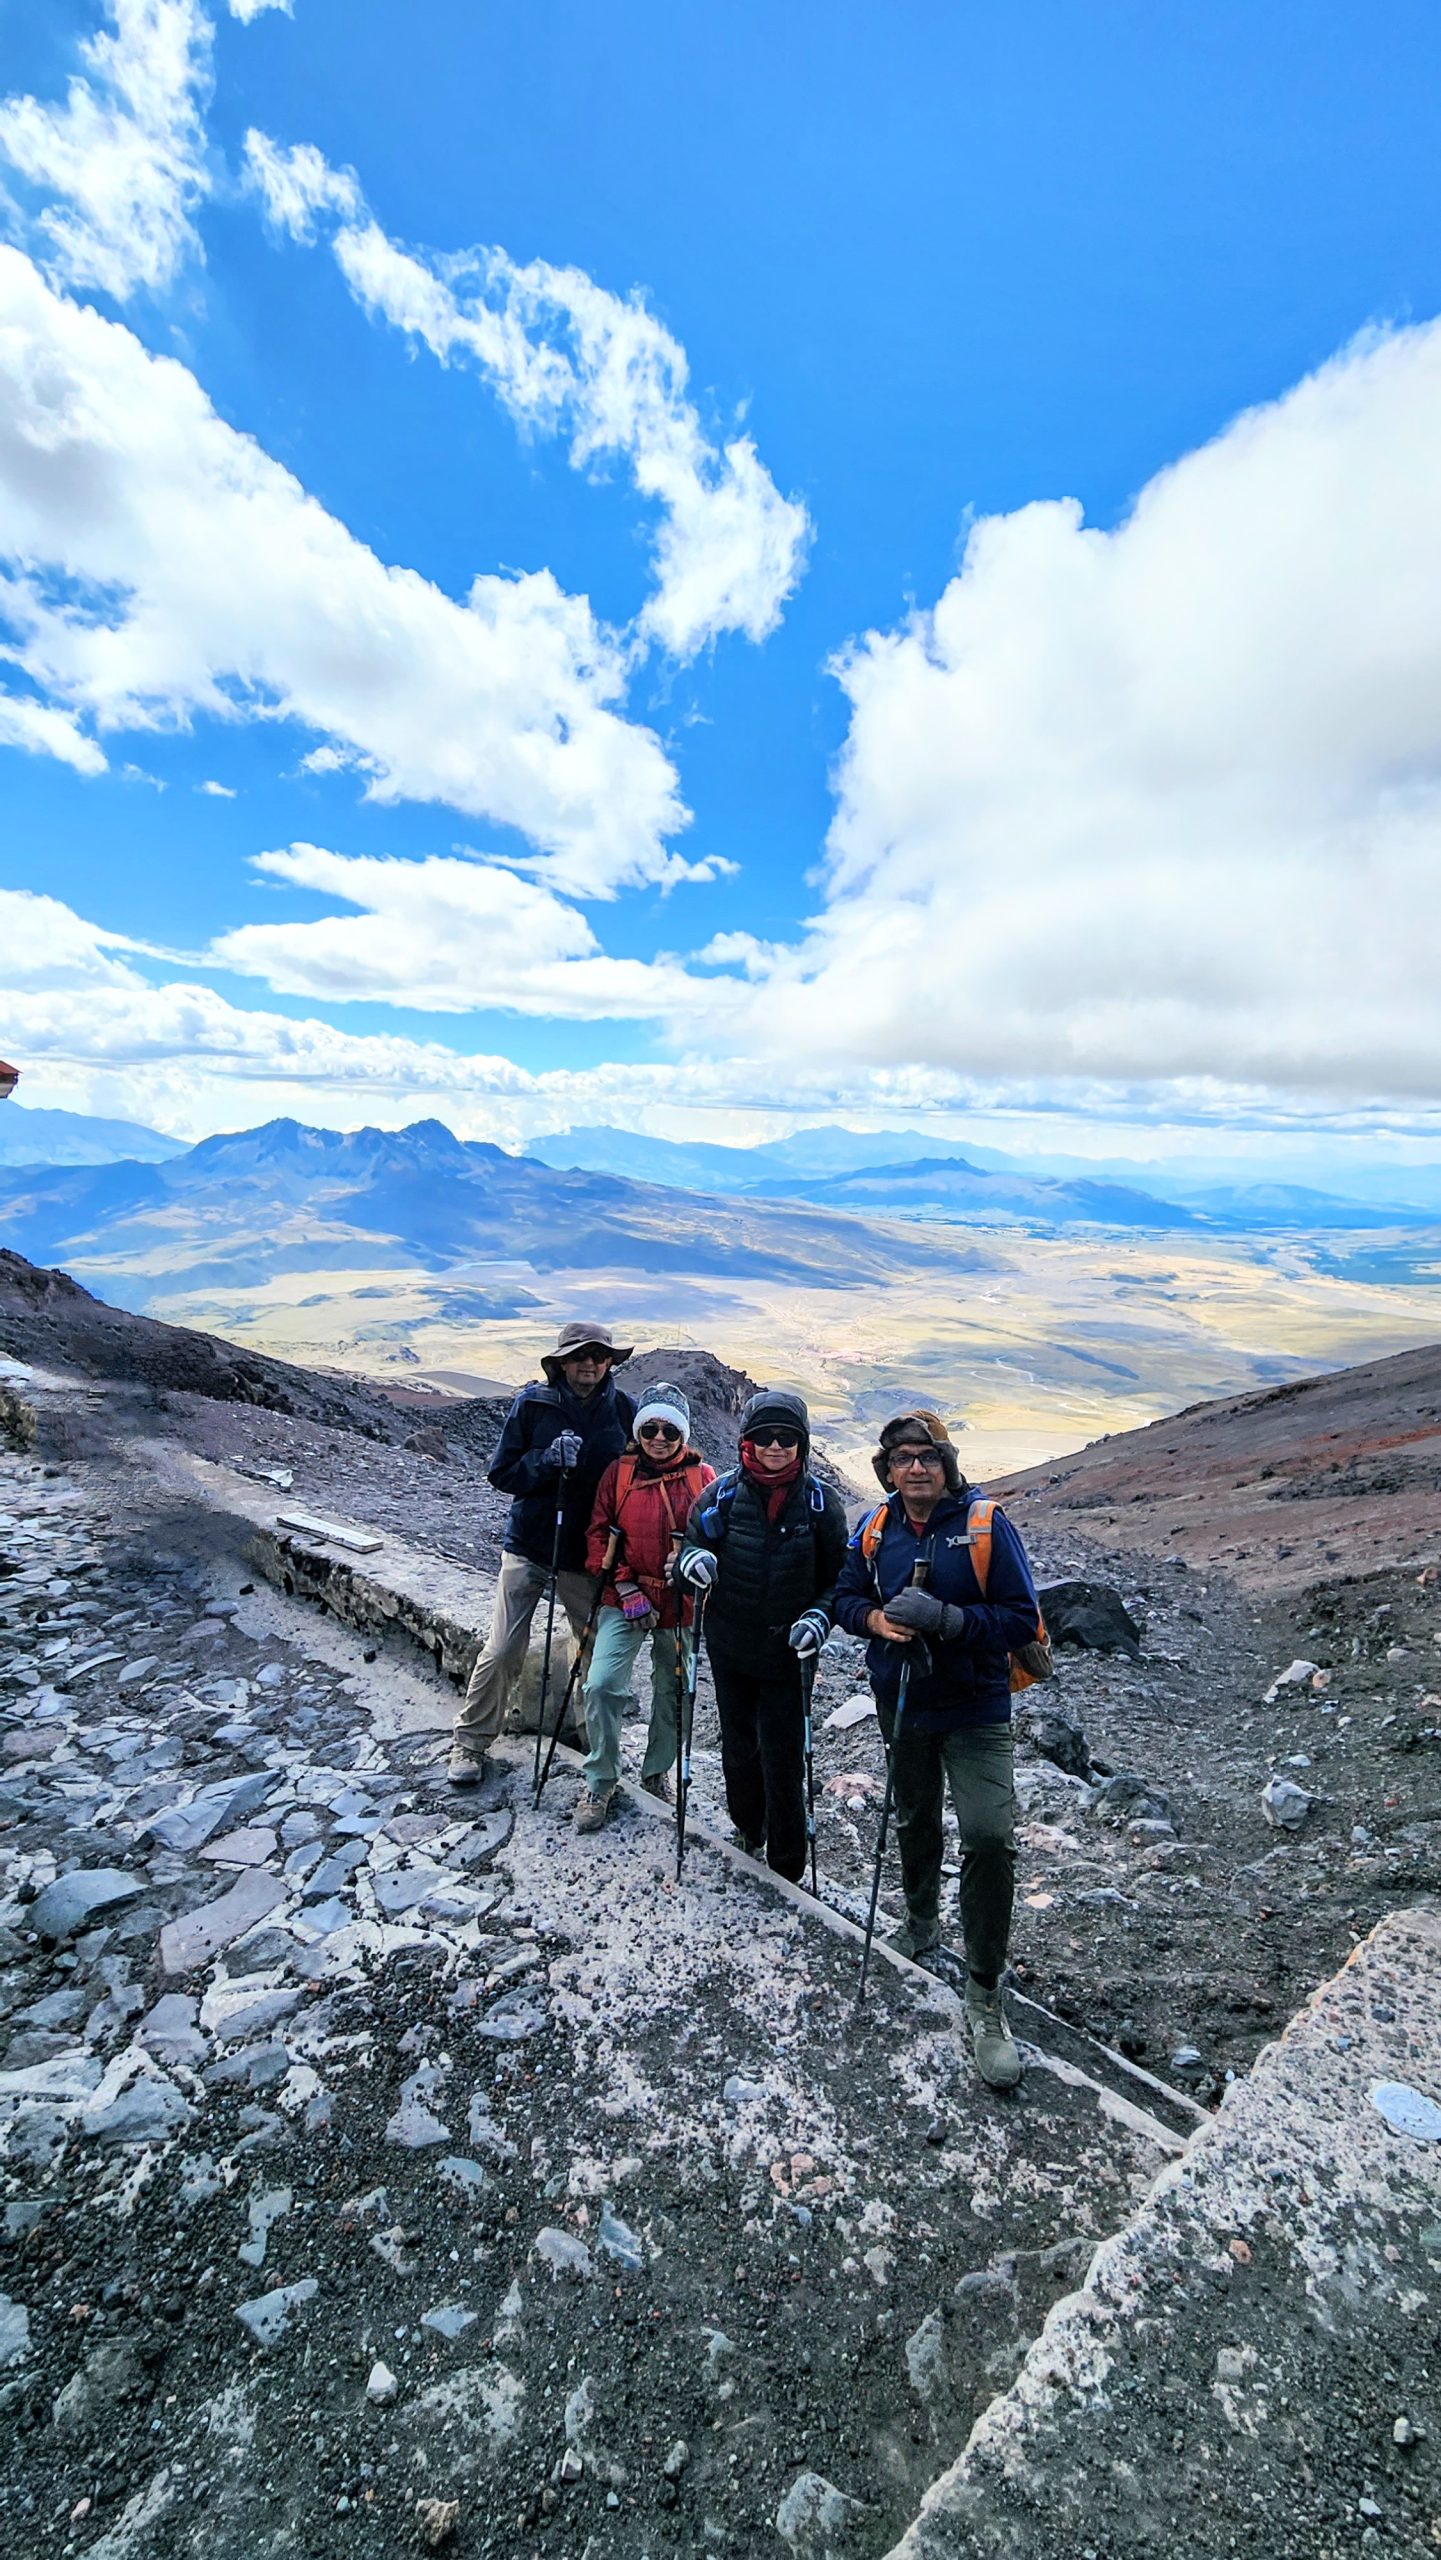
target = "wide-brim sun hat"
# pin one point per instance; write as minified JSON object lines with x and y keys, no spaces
{"x":573,"y":1339}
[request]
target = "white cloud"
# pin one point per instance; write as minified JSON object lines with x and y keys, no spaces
{"x":568,"y":357}
{"x":124,"y":155}
{"x":43,"y":731}
{"x":246,"y":10}
{"x":1162,"y":803}
{"x":216,"y":790}
{"x":443,"y":936}
{"x":46,"y":946}
{"x":164,"y":566}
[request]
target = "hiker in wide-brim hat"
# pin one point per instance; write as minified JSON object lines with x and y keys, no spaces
{"x":572,"y":1344}
{"x":560,"y":1436}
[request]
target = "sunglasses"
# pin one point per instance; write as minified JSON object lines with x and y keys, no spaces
{"x":658,"y":1431}
{"x":766,"y":1438}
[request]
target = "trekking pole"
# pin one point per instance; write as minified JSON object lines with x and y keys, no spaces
{"x":549,"y":1621}
{"x":922,"y":1568}
{"x":582,"y":1657}
{"x":683,"y":1738}
{"x":808,"y":1683}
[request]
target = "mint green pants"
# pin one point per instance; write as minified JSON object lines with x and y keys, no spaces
{"x":608,"y":1694}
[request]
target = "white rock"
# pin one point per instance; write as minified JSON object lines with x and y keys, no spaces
{"x":1297,"y":1675}
{"x":382,"y":2385}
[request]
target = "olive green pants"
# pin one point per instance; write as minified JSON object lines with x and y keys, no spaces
{"x":976,"y":1764}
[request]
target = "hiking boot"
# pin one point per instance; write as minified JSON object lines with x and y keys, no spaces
{"x":917,"y":1939}
{"x":594,"y":1805}
{"x":659,"y":1786}
{"x":465,"y":1767}
{"x":748,"y":1848}
{"x":997,"y":2059}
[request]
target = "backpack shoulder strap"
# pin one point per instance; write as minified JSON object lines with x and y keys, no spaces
{"x":871,"y":1532}
{"x":817,"y":1494}
{"x":715,"y":1519}
{"x":978,"y":1530}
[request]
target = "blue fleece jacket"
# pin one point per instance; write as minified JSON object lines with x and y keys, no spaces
{"x":969,"y":1681}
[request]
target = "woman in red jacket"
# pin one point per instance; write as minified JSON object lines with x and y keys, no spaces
{"x":645,"y":1497}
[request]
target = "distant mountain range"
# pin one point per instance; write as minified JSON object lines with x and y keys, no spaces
{"x":28,"y":1136}
{"x":236,"y":1212}
{"x":898,"y":1172}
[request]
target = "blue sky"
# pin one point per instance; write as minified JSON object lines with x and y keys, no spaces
{"x":1127,"y":820}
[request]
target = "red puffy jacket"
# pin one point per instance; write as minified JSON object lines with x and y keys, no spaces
{"x":650,"y":1510}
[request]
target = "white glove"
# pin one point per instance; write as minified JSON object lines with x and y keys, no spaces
{"x":699,"y":1568}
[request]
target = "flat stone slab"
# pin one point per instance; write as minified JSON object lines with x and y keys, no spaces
{"x":1259,"y":2341}
{"x":73,"y":1902}
{"x":241,"y":1848}
{"x":199,"y":1935}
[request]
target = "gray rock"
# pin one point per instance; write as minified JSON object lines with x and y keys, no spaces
{"x":130,"y":1674}
{"x":337,"y":1869}
{"x":448,"y":2319}
{"x":1284,"y":1805}
{"x":255,"y":2066}
{"x":464,"y":2180}
{"x":382,"y":2385}
{"x":676,"y":2459}
{"x":264,"y":2211}
{"x":925,"y":2352}
{"x":75,"y":1901}
{"x":403,"y":1887}
{"x":563,"y":2254}
{"x":112,"y":2372}
{"x":14,"y":2331}
{"x":200,"y":1935}
{"x":169,"y":2030}
{"x":514,"y":2017}
{"x":615,"y":2239}
{"x":817,"y":2521}
{"x":150,"y":2110}
{"x":252,"y":2017}
{"x":739,"y":2092}
{"x":270,"y":2314}
{"x":1127,"y":1798}
{"x":415,"y":2128}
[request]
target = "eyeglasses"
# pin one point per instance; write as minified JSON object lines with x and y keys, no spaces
{"x":766,"y":1438}
{"x":928,"y":1458}
{"x":658,"y":1431}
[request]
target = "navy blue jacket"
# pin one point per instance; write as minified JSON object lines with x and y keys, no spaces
{"x":538,"y":1416}
{"x":970,"y":1679}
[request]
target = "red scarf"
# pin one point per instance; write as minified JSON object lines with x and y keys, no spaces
{"x":774,"y":1482}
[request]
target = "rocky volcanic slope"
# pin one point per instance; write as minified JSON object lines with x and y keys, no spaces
{"x":387,"y":2170}
{"x":655,"y":2244}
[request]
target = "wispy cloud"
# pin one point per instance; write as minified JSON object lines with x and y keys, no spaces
{"x":122,"y":159}
{"x":567,"y":357}
{"x":164,"y":566}
{"x":245,"y":10}
{"x":444,"y":935}
{"x":216,"y":790}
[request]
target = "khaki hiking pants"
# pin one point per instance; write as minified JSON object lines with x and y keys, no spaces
{"x":521,"y":1590}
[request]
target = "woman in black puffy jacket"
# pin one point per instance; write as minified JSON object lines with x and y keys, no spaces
{"x":765,"y":1544}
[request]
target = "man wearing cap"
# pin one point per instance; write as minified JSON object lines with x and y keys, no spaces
{"x":558,"y":1439}
{"x":642,"y":1505}
{"x":765,"y":1545}
{"x":956,"y":1727}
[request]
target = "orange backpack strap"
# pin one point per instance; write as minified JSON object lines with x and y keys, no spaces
{"x":978,"y":1530}
{"x":871,"y":1532}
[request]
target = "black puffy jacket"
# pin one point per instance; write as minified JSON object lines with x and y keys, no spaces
{"x":538,"y":1416}
{"x":769,"y":1570}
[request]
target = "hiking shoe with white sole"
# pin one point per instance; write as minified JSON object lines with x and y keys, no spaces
{"x":465,"y":1768}
{"x":917,"y":1939}
{"x":594,"y":1805}
{"x":659,"y":1786}
{"x":997,"y":2058}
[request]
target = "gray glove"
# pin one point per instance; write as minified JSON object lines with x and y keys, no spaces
{"x":699,"y":1568}
{"x":809,"y":1633}
{"x":924,"y":1614}
{"x":563,"y":1452}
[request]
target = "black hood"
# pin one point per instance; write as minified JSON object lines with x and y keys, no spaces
{"x":779,"y":1405}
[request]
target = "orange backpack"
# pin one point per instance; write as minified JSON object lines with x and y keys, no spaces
{"x":1035,"y":1660}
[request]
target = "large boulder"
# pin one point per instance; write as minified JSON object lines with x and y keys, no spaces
{"x":1091,"y":1615}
